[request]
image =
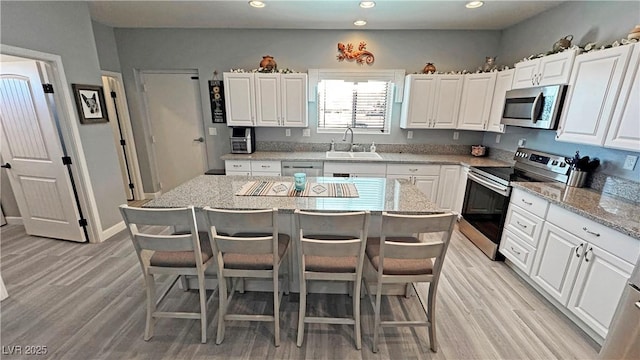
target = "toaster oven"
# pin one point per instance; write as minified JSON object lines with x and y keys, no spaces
{"x":243,"y":140}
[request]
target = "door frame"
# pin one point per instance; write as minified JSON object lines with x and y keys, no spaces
{"x":144,"y":110}
{"x":68,"y":122}
{"x":127,"y":130}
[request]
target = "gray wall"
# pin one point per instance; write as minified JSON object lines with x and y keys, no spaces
{"x":64,"y":28}
{"x":598,"y":21}
{"x":208,"y":49}
{"x":106,"y":46}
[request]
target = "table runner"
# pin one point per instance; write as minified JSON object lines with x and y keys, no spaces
{"x":283,"y":188}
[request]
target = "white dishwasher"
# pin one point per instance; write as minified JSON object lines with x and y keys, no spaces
{"x":311,"y":168}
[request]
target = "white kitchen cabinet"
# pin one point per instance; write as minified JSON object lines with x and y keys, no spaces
{"x":359,"y":169}
{"x":239,"y":99}
{"x":590,"y":102}
{"x":425,"y":177}
{"x":624,"y":131}
{"x":448,"y":187}
{"x":517,"y":251}
{"x":504,"y":80}
{"x":428,"y":185}
{"x":548,"y":70}
{"x":252,"y":168}
{"x":475,"y":105}
{"x":431,"y":101}
{"x":266,"y":99}
{"x":462,"y":188}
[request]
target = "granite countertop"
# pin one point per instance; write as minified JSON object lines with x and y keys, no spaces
{"x":376,"y":195}
{"x":466,"y":160}
{"x":616,"y":213}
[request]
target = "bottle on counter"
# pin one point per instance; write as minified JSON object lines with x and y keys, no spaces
{"x":333,"y":145}
{"x":372,"y":148}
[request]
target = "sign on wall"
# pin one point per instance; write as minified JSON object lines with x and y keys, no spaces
{"x":216,"y":95}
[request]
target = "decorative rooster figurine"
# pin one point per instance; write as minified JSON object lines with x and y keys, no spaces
{"x":360,"y":56}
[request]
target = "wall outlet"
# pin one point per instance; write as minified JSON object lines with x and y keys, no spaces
{"x":287,"y":132}
{"x":306,"y":132}
{"x":630,"y":162}
{"x":522,"y":142}
{"x":213,"y":131}
{"x":498,"y":138}
{"x":456,"y":135}
{"x":409,"y":134}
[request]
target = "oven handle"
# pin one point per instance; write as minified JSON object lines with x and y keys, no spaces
{"x":502,"y":190}
{"x":535,"y":109}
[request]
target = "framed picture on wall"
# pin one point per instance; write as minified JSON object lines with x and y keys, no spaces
{"x":216,"y":95}
{"x":90,"y":103}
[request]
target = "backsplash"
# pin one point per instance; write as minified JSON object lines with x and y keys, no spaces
{"x":435,"y":149}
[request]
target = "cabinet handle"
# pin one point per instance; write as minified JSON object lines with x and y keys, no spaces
{"x":526,"y":202}
{"x":590,"y":232}
{"x":413,"y":170}
{"x":265,"y":166}
{"x":586,"y":258}
{"x":515,"y":251}
{"x":533,"y":79}
{"x":579,"y":247}
{"x":523,"y":225}
{"x":237,"y":166}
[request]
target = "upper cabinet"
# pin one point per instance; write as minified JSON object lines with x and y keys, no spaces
{"x":266,"y":99}
{"x":548,"y":70}
{"x":596,"y":81}
{"x":475,"y":105}
{"x":431,"y":101}
{"x":504,"y":81}
{"x":624,"y":131}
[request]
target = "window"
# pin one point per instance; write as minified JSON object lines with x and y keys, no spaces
{"x":358,"y":104}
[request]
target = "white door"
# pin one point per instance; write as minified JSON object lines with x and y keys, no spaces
{"x":30,"y":144}
{"x":239,"y":99}
{"x":447,"y":103}
{"x":477,"y":95}
{"x":294,"y":100}
{"x":417,"y":105}
{"x":175,"y":117}
{"x":267,"y":99}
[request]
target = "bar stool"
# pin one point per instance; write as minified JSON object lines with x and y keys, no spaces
{"x":399,"y":256}
{"x":331,"y":247}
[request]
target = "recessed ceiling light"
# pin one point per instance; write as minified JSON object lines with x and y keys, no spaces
{"x":359,"y":23}
{"x":474,"y":4}
{"x":367,"y":4}
{"x":256,"y":4}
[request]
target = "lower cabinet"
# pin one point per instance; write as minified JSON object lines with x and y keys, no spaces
{"x":448,"y":187}
{"x":252,"y":168}
{"x":359,"y":169}
{"x":425,"y":177}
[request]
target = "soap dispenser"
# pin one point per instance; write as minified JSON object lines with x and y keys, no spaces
{"x":333,"y":145}
{"x":372,"y":148}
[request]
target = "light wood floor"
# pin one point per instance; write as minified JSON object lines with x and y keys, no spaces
{"x":86,"y":301}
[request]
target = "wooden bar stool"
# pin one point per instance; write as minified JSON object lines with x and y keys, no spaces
{"x":331,"y":247}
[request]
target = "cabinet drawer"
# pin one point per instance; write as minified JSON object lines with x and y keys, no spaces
{"x":265,"y":166}
{"x":516,"y":250}
{"x":266,"y":173}
{"x":413,"y":169}
{"x":238,"y":173}
{"x":237,"y":165}
{"x":523,"y":223}
{"x":371,"y":169}
{"x":618,"y":244}
{"x":531,"y":203}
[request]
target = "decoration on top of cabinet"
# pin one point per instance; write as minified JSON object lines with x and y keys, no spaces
{"x":592,"y":46}
{"x":360,"y":56}
{"x":634,"y":33}
{"x":267,"y":64}
{"x":429,"y":69}
{"x":489,"y":64}
{"x":279,"y":71}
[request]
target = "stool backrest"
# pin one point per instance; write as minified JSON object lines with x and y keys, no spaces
{"x":332,"y":234}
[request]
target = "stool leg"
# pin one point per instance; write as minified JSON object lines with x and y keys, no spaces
{"x":376,"y":326}
{"x":302,"y":310}
{"x":151,"y":306}
{"x":356,"y":314}
{"x":432,"y":317}
{"x":276,"y":308}
{"x":222,"y":308}
{"x":203,"y":308}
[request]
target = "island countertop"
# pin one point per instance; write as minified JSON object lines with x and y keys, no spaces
{"x":375,"y":194}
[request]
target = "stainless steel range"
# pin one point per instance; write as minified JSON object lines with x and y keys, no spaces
{"x":488,"y":190}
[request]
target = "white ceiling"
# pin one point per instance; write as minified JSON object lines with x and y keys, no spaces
{"x":307,"y":14}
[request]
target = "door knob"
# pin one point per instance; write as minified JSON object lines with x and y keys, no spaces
{"x":6,"y":166}
{"x":200,"y":139}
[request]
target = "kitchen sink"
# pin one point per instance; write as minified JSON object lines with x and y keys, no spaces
{"x":352,"y":155}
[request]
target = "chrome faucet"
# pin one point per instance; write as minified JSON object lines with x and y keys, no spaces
{"x":344,"y":137}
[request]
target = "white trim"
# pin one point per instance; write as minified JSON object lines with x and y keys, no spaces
{"x":106,"y":234}
{"x":154,"y":195}
{"x":71,"y":135}
{"x":128,"y":134}
{"x":14,"y":220}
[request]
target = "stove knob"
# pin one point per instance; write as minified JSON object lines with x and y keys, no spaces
{"x":554,"y":162}
{"x":562,"y":164}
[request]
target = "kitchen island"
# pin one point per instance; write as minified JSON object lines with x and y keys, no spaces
{"x":374,"y":194}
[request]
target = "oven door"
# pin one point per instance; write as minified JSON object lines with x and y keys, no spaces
{"x":484,"y":212}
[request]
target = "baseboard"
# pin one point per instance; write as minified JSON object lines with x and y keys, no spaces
{"x":14,"y":220}
{"x":106,"y":234}
{"x":154,"y":195}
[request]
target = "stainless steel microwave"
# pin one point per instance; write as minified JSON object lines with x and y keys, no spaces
{"x":537,"y":107}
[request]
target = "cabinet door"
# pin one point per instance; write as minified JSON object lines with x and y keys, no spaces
{"x":462,"y":186}
{"x":447,"y":102}
{"x":475,"y":105}
{"x":593,"y":92}
{"x":429,"y":186}
{"x":504,"y":80}
{"x":448,"y":186}
{"x":239,"y":99}
{"x":624,"y":132}
{"x":294,"y":100}
{"x":555,"y":69}
{"x":556,"y":263}
{"x":418,"y":101}
{"x":599,"y":286}
{"x":267,"y":99}
{"x":525,"y":73}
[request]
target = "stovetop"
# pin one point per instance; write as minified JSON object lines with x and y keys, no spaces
{"x":530,"y":166}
